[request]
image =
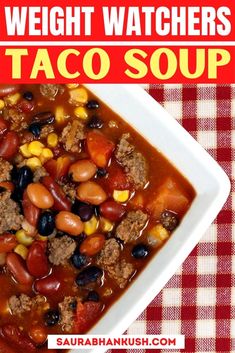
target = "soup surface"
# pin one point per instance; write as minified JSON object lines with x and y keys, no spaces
{"x":85,"y":202}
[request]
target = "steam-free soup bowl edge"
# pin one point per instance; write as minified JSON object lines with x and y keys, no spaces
{"x":212,"y":186}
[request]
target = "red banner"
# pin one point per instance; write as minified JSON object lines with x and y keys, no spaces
{"x":108,"y":41}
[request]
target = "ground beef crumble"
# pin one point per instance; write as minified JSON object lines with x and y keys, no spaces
{"x":110,"y":253}
{"x":39,"y":173}
{"x":10,"y":219}
{"x":69,"y":189}
{"x":131,"y":226}
{"x":61,"y":249}
{"x":16,"y":118}
{"x":5,"y":170}
{"x":67,"y":310}
{"x":72,"y":134}
{"x":46,"y":130}
{"x":121,"y":272}
{"x":50,"y":91}
{"x":133,"y":162}
{"x":23,"y":303}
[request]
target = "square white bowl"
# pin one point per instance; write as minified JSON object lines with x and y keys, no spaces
{"x":212,"y":187}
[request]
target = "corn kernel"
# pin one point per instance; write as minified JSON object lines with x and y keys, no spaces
{"x":21,"y":250}
{"x":121,"y":195}
{"x":35,"y":148}
{"x":47,"y":153}
{"x":24,"y":149}
{"x":72,"y":85}
{"x":78,"y":96}
{"x":23,"y":238}
{"x":91,"y":226}
{"x":81,"y":112}
{"x":33,"y":163}
{"x":52,"y":139}
{"x":106,"y":225}
{"x":2,"y":104}
{"x":157,"y":235}
{"x":12,"y":99}
{"x":59,"y":114}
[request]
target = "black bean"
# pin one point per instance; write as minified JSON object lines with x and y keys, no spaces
{"x":25,"y":177}
{"x":101,"y":172}
{"x":14,"y":174}
{"x":46,"y":223}
{"x":169,"y":220}
{"x":93,"y":296}
{"x":35,"y":128}
{"x":44,"y":118}
{"x":28,"y":96}
{"x":17,"y":195}
{"x":92,"y":104}
{"x":89,"y":275}
{"x":95,"y":123}
{"x":79,"y":260}
{"x":83,"y":210}
{"x":140,"y":251}
{"x":51,"y":317}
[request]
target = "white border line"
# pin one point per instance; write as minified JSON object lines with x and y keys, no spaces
{"x":118,"y":43}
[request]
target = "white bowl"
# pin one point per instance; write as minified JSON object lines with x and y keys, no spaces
{"x":212,"y":186}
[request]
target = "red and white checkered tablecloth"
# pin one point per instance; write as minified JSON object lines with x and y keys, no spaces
{"x":199,"y":301}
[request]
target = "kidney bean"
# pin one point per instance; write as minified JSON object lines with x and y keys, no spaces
{"x":7,"y":242}
{"x":69,"y":223}
{"x":91,"y":192}
{"x":38,"y":334}
{"x":82,"y":170}
{"x":31,"y":212}
{"x":48,"y":285}
{"x":25,"y":106}
{"x":88,"y":275}
{"x":40,"y":196}
{"x":4,"y":348}
{"x":112,"y":210}
{"x":83,"y":210}
{"x":92,"y":244}
{"x":61,"y":202}
{"x":9,"y":145}
{"x":14,"y":336}
{"x":36,"y":261}
{"x":3,"y":256}
{"x":44,"y":118}
{"x":3,"y":126}
{"x":8,"y":89}
{"x":16,"y":266}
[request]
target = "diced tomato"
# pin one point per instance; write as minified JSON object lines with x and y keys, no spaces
{"x":117,"y":179}
{"x":86,"y":315}
{"x":58,"y":168}
{"x":100,"y":148}
{"x":169,"y":196}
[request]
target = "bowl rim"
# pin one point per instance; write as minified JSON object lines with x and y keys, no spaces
{"x":212,"y":188}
